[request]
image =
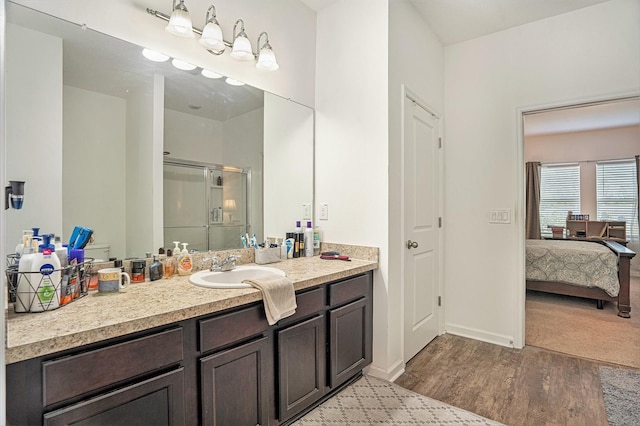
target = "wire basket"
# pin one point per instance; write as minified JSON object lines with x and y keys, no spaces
{"x":48,"y":290}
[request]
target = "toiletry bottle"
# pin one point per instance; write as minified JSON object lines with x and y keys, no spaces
{"x":290,"y":242}
{"x":46,"y":266}
{"x":155,"y":269}
{"x":219,"y":181}
{"x":169,"y":265}
{"x":138,"y":270}
{"x":185,"y":263}
{"x":26,"y":234}
{"x":316,"y":240}
{"x":298,"y":236}
{"x":176,"y":249}
{"x":308,"y":240}
{"x":118,"y":264}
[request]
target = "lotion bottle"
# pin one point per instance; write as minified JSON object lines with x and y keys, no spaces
{"x":45,"y":270}
{"x":185,"y":262}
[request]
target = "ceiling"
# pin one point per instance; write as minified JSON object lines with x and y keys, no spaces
{"x":599,"y":116}
{"x":455,"y":21}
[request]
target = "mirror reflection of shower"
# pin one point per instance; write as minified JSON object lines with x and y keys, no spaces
{"x":205,"y":205}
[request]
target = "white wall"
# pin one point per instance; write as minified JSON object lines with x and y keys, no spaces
{"x":141,"y":122}
{"x":352,"y":111}
{"x":93,"y":153}
{"x":420,"y":69}
{"x":290,"y":24}
{"x":191,"y":137}
{"x":34,"y":130}
{"x":244,"y":147}
{"x":587,"y":54}
{"x":288,"y":160}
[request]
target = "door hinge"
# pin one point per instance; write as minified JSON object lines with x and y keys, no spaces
{"x":439,"y":142}
{"x":439,"y":300}
{"x":440,"y":222}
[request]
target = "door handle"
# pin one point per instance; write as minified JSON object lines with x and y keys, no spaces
{"x":412,"y":244}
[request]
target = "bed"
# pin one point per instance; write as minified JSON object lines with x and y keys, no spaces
{"x":594,"y":270}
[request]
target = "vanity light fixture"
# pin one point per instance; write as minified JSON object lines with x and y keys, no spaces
{"x":266,"y":57}
{"x":180,"y":21}
{"x":210,"y":74}
{"x":182,"y":65}
{"x":241,"y":45}
{"x":154,"y":56}
{"x":212,"y":38}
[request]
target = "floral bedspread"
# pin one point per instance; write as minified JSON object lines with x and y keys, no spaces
{"x":581,"y":263}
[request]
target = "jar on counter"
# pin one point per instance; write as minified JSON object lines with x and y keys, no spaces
{"x":137,"y":270}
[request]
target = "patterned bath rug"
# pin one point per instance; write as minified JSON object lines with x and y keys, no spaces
{"x":621,"y":389}
{"x":371,"y":401}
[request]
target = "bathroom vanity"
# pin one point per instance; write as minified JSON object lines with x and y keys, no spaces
{"x":180,"y":354}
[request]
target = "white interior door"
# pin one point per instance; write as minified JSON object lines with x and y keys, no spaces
{"x":421,"y":247}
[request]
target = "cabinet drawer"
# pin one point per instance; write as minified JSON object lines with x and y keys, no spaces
{"x":232,"y":327}
{"x":309,"y":303}
{"x":75,"y":375}
{"x":349,"y":289}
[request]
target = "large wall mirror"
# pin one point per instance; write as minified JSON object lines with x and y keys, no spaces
{"x":104,"y":138}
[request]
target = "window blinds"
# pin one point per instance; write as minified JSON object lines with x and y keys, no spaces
{"x":617,"y":195}
{"x":559,"y":193}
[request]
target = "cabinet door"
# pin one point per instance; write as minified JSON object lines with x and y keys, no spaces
{"x":236,"y":385}
{"x":157,"y":401}
{"x":301,"y":362}
{"x":349,"y":340}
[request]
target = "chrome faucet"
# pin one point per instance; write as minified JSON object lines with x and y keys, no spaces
{"x":226,"y":265}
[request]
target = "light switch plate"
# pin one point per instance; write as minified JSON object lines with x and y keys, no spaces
{"x":306,"y":211}
{"x":324,"y":211}
{"x":500,"y":216}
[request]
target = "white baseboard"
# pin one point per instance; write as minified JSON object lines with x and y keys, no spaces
{"x":483,"y":336}
{"x":389,"y":375}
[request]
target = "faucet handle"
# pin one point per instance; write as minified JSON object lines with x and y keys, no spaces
{"x":214,"y":262}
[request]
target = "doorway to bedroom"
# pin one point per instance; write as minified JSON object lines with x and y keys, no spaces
{"x":582,"y":184}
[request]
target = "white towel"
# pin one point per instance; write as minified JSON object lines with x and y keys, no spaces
{"x":278,"y":295}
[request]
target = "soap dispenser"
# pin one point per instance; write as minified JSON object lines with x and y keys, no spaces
{"x":185,"y":263}
{"x":155,"y":269}
{"x":169,"y":265}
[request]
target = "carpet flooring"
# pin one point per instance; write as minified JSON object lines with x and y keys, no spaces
{"x":621,"y":389}
{"x":371,"y":401}
{"x":575,"y":327}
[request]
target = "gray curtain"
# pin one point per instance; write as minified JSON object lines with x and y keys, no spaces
{"x":533,"y":201}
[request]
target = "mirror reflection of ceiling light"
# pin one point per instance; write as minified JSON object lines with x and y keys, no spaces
{"x":154,"y":56}
{"x":182,"y":65}
{"x":233,"y":82}
{"x":212,"y":38}
{"x":180,"y":21}
{"x":210,"y":74}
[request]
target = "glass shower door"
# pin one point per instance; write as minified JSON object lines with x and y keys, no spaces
{"x":227,"y":208}
{"x":185,"y":208}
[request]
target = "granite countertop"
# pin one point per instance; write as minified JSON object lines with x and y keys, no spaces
{"x":142,"y":306}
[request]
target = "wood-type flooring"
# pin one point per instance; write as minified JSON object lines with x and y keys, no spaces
{"x":529,"y":386}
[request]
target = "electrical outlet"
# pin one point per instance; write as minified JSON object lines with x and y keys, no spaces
{"x":306,"y":211}
{"x":324,"y":211}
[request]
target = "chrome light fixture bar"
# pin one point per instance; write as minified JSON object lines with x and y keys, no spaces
{"x":211,"y":37}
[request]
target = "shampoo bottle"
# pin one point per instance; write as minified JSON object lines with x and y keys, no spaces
{"x":308,"y":240}
{"x":185,"y":263}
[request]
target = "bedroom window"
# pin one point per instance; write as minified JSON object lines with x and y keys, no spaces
{"x":617,"y":196}
{"x":559,"y":193}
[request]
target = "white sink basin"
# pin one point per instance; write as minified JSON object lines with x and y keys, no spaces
{"x":233,"y":278}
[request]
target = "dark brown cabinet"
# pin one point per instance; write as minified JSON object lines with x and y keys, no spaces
{"x":301,"y":366}
{"x":235,"y":385}
{"x":158,"y":401}
{"x":350,"y":327}
{"x":227,"y":368}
